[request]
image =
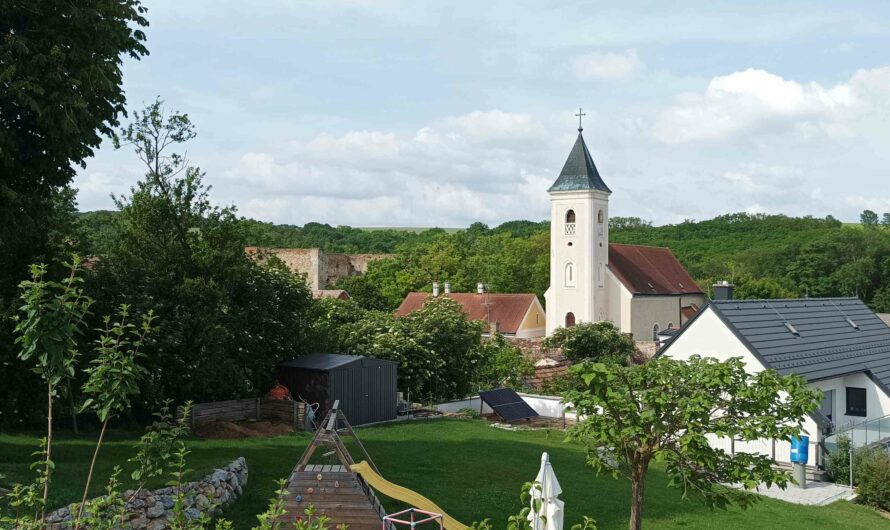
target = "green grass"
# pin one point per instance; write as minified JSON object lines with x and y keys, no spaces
{"x":470,"y":469}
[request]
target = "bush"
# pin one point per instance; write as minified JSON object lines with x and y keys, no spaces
{"x":873,"y":475}
{"x":502,"y":364}
{"x":838,"y":463}
{"x":470,"y":413}
{"x":593,"y":341}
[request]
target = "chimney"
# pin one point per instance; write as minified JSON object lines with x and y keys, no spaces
{"x":480,"y":288}
{"x":447,"y":287}
{"x":435,"y":289}
{"x":723,"y":290}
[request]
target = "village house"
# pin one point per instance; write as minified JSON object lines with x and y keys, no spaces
{"x":837,"y":344}
{"x":514,"y":315}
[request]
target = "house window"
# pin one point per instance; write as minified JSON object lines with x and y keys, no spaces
{"x":655,"y":330}
{"x":570,"y":319}
{"x":570,"y":275}
{"x":856,"y":401}
{"x":570,"y":223}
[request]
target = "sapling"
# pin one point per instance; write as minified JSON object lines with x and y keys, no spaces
{"x":113,"y":376}
{"x":51,"y":316}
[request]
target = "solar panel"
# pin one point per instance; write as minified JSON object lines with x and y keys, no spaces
{"x":516,"y":411}
{"x":500,"y":396}
{"x":508,"y":404}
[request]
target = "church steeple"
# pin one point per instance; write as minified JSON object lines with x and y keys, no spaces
{"x":579,"y":171}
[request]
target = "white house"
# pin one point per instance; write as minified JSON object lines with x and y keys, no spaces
{"x":641,"y":289}
{"x":837,"y":344}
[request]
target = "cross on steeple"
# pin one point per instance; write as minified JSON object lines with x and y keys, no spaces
{"x":580,"y":115}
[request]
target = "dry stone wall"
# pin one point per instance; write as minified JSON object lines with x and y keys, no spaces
{"x":151,"y":510}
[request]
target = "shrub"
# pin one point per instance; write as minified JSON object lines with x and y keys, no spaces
{"x":470,"y":413}
{"x":873,"y":475}
{"x":594,"y":341}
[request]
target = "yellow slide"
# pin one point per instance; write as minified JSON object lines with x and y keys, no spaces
{"x":394,"y":491}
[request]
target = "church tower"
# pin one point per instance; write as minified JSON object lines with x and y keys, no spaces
{"x":579,"y":242}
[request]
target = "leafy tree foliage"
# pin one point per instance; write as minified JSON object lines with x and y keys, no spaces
{"x":60,"y":91}
{"x":224,"y":321}
{"x":868,"y":218}
{"x":436,"y":346}
{"x":664,"y":410}
{"x":592,"y":341}
{"x":763,"y":255}
{"x":503,"y":365}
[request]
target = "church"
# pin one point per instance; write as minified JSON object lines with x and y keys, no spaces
{"x":641,"y":289}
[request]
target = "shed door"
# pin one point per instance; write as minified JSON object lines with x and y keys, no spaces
{"x":365,"y":401}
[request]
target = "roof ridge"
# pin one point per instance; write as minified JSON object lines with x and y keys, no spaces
{"x":642,"y":246}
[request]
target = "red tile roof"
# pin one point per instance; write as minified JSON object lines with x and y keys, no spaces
{"x":507,"y":309}
{"x":689,"y":311}
{"x":650,"y":270}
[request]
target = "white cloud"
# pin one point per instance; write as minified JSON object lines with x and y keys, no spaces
{"x":609,"y":66}
{"x":875,"y":204}
{"x":483,"y":165}
{"x":754,"y":103}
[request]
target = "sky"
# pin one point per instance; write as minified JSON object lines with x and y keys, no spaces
{"x":419,"y":113}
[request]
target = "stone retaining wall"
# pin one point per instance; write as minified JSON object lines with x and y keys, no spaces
{"x":150,"y":510}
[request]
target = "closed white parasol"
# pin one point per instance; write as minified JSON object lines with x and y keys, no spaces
{"x":546,"y":489}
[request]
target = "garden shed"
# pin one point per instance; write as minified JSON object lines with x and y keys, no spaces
{"x":365,"y":387}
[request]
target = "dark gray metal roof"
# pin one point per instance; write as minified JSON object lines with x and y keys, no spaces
{"x":826,"y":343}
{"x":331,"y":361}
{"x":579,"y":171}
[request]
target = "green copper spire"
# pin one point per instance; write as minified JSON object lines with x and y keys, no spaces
{"x":579,"y":171}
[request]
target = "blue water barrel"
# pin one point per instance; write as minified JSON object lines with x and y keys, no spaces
{"x":800,"y":449}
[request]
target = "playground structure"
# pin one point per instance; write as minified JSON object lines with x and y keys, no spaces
{"x":413,"y":522}
{"x":345,"y":491}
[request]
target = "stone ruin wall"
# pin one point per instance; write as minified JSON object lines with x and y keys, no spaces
{"x":321,"y":270}
{"x":152,"y":510}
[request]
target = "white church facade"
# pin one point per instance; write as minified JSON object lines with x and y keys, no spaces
{"x":641,"y":289}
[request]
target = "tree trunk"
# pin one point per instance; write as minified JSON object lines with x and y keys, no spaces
{"x":638,"y":487}
{"x":86,"y":488}
{"x":73,"y":408}
{"x":49,"y":446}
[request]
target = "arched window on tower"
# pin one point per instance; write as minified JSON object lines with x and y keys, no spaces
{"x":655,"y":330}
{"x":570,"y":275}
{"x":570,"y":223}
{"x":570,"y":319}
{"x":600,"y":222}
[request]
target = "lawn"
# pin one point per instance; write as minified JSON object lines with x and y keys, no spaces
{"x":468,"y":468}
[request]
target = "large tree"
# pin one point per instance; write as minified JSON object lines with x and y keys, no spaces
{"x":223,"y":320}
{"x":60,"y":92}
{"x":664,"y":410}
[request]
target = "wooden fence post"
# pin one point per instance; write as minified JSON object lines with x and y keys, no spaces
{"x":257,"y":409}
{"x":294,"y":404}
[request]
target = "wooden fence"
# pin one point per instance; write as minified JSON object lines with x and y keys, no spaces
{"x":290,"y":412}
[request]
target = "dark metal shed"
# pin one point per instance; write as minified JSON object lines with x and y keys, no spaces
{"x":366,"y":387}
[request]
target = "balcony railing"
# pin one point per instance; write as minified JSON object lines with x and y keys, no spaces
{"x":570,"y":229}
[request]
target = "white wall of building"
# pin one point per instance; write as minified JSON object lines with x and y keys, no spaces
{"x":585,"y":248}
{"x":708,"y":336}
{"x":877,"y":402}
{"x":546,"y":406}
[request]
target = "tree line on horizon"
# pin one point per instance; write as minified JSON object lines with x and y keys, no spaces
{"x":765,"y":256}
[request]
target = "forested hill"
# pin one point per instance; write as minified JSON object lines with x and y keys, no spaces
{"x":764,"y":255}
